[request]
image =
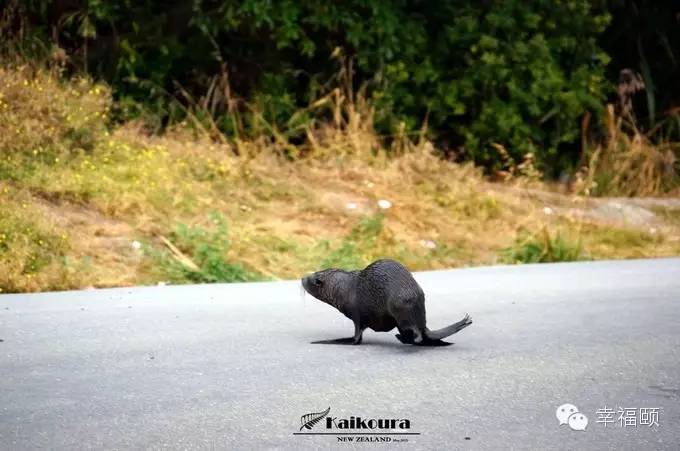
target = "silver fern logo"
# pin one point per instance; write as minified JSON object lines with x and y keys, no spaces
{"x":310,"y":419}
{"x":356,"y":428}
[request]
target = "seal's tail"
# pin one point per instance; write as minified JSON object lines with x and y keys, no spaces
{"x":434,"y":335}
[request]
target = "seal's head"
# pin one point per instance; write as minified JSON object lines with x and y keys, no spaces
{"x":329,"y":286}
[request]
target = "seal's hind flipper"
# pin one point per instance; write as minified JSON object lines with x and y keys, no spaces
{"x":403,"y":340}
{"x":335,"y":341}
{"x":428,"y":342}
{"x":425,"y":342}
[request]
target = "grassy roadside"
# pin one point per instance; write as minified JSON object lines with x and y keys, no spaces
{"x":82,"y":204}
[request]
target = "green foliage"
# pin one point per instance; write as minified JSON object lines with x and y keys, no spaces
{"x":516,"y":73}
{"x":529,"y":76}
{"x":207,"y":249}
{"x":543,"y":248}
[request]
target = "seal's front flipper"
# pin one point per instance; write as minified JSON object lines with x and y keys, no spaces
{"x":336,"y":341}
{"x":355,"y":340}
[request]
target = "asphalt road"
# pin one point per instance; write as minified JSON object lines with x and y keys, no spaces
{"x":232,"y":367}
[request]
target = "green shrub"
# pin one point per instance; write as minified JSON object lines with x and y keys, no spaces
{"x":515,"y":73}
{"x":203,"y":253}
{"x":543,"y":248}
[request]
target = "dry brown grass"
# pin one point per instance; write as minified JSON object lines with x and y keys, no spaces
{"x":43,"y":116}
{"x":628,"y":164}
{"x":86,"y":201}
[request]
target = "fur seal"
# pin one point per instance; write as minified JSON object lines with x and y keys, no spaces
{"x":382,"y":296}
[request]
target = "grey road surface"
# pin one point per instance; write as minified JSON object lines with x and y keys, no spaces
{"x":231,"y":366}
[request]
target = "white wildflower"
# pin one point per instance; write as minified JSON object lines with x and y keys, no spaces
{"x":429,"y":244}
{"x":384,"y":204}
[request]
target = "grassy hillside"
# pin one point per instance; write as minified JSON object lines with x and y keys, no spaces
{"x":84,"y":203}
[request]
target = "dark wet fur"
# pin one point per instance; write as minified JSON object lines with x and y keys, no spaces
{"x":381,"y":297}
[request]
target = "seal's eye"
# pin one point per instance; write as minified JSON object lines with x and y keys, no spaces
{"x":318,"y":282}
